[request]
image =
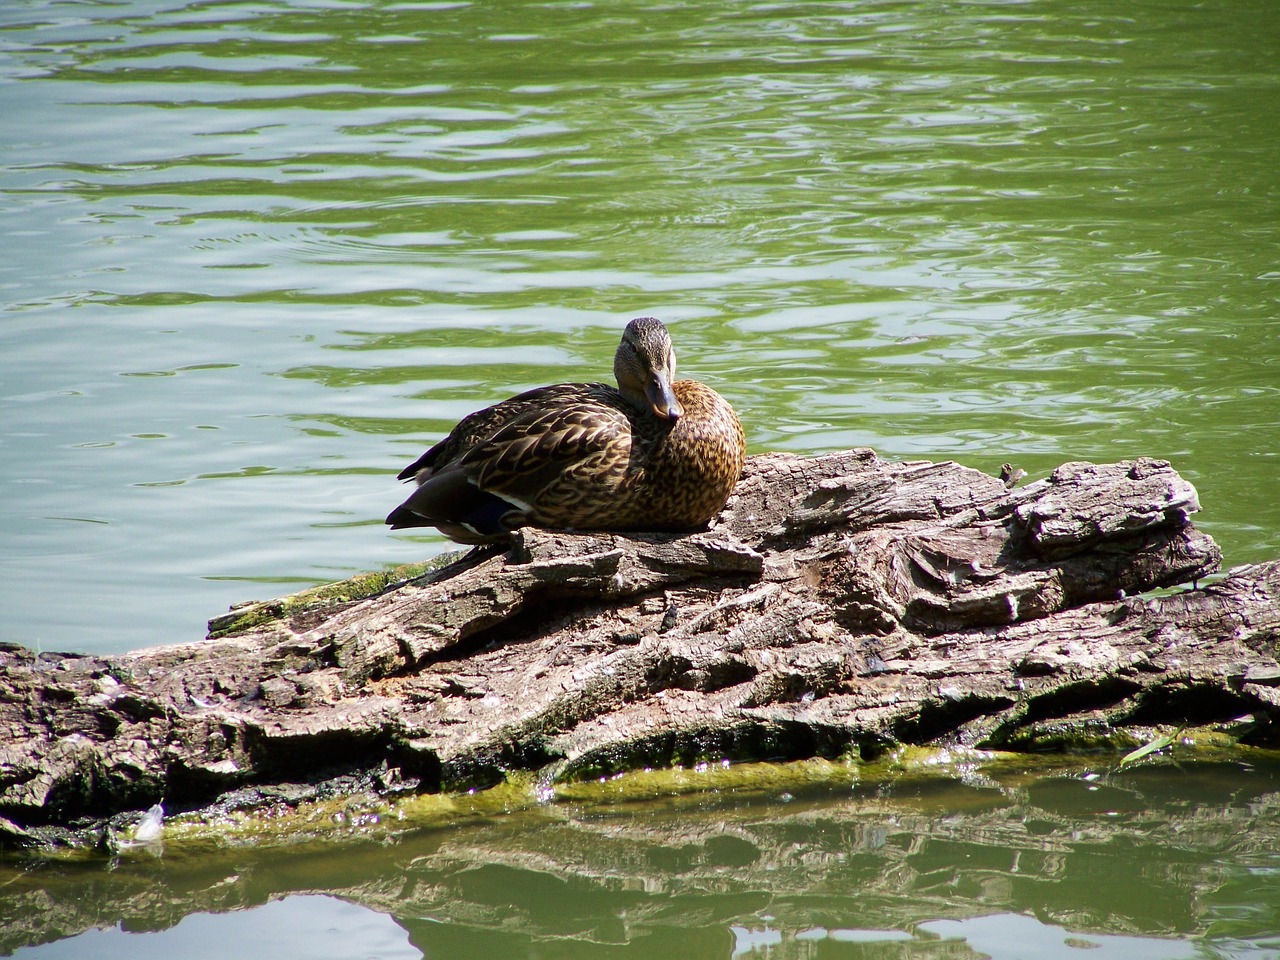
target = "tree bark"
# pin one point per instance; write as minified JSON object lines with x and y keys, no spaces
{"x":840,"y":605}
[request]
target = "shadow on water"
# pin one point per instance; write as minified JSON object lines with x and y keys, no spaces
{"x":1162,"y":861}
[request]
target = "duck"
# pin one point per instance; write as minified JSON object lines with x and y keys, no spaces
{"x":652,"y":454}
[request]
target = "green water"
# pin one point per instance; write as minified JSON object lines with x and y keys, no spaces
{"x":257,"y":255}
{"x":1157,"y":863}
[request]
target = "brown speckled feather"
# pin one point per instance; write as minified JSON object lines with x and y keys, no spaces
{"x":475,"y":427}
{"x":583,"y":456}
{"x":549,"y":458}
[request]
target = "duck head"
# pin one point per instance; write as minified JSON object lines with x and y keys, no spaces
{"x":645,"y":366}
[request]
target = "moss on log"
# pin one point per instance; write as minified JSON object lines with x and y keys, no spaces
{"x":840,"y":606}
{"x":910,"y":836}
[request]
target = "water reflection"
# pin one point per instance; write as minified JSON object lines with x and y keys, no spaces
{"x":310,"y":926}
{"x":1159,"y":862}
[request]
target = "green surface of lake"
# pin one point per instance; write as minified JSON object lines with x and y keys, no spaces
{"x":258,"y":255}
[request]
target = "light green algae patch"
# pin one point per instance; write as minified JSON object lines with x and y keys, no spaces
{"x":364,"y":817}
{"x":720,"y":776}
{"x":361,"y":817}
{"x":247,"y":616}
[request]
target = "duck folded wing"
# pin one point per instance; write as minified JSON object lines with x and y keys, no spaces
{"x":544,"y":466}
{"x":549,"y":459}
{"x":449,"y":501}
{"x":478,"y":426}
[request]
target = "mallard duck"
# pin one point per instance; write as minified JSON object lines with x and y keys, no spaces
{"x":655,"y":453}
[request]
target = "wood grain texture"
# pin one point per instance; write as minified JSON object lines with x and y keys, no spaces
{"x":840,"y":605}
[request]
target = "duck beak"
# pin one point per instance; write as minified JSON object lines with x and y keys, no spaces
{"x":662,"y":398}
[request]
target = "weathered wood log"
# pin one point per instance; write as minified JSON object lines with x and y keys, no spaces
{"x":840,"y":605}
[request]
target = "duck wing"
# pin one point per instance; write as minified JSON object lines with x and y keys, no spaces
{"x":552,"y":453}
{"x":478,"y":426}
{"x":546,"y":457}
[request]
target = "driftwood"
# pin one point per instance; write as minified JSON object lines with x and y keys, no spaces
{"x":839,"y":606}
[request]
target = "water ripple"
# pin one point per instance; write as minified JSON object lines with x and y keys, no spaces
{"x":258,"y":254}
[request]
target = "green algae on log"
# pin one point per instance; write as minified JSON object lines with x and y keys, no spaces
{"x":840,"y":606}
{"x":652,"y":847}
{"x":316,"y":601}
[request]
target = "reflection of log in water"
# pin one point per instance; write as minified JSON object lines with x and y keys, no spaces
{"x":1153,"y":851}
{"x":841,"y":605}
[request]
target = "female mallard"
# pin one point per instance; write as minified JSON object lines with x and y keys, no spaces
{"x":654,"y":454}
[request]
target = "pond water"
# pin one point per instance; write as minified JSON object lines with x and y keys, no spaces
{"x":1154,"y":863}
{"x":258,"y":255}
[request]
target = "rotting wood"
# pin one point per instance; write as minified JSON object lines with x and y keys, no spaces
{"x":839,"y":606}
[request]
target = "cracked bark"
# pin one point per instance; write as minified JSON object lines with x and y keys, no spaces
{"x":840,"y":605}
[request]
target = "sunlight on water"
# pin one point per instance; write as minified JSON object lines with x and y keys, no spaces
{"x":258,"y":256}
{"x":319,"y":928}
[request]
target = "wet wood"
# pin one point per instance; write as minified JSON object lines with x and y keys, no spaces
{"x":841,"y":605}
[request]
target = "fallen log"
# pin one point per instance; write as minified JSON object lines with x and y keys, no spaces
{"x":839,"y":606}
